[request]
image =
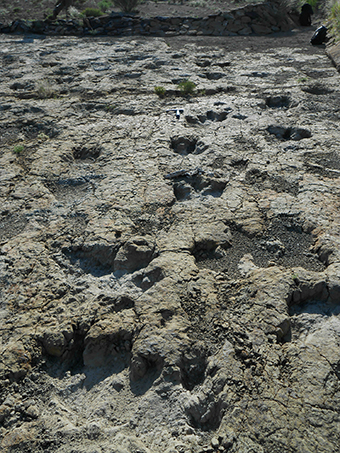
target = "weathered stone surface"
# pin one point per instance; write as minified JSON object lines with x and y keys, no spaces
{"x":134,"y":254}
{"x":261,"y":16}
{"x":169,"y":284}
{"x":54,"y":342}
{"x":333,"y":51}
{"x":108,"y":337}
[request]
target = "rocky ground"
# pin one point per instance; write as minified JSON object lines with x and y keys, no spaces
{"x":40,"y":9}
{"x":169,"y":284}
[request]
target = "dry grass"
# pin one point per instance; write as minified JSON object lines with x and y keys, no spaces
{"x":334,"y":17}
{"x":127,"y":6}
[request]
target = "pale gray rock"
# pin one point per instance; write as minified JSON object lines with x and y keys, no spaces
{"x":134,"y":254}
{"x":169,"y":284}
{"x":246,"y":265}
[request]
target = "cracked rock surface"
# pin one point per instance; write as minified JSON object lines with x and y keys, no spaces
{"x":169,"y":284}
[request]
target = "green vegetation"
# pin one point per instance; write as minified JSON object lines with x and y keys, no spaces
{"x":312,"y":3}
{"x":111,"y":107}
{"x":287,"y":5}
{"x":303,"y":79}
{"x":42,"y":136}
{"x":45,"y":91}
{"x":104,"y":5}
{"x":295,"y":276}
{"x":187,"y":87}
{"x":92,"y":12}
{"x":18,"y":149}
{"x":334,"y":17}
{"x":160,"y":91}
{"x":126,"y":6}
{"x":49,"y":14}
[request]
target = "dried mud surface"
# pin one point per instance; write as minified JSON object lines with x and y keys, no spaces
{"x":169,"y":284}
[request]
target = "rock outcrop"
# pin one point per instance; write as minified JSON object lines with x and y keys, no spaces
{"x":169,"y":284}
{"x":261,"y":18}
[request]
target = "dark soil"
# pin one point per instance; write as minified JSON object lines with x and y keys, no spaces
{"x":297,"y":38}
{"x":283,"y":244}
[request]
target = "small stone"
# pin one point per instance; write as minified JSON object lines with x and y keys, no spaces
{"x":54,"y":343}
{"x":4,"y":412}
{"x":93,"y":430}
{"x":33,"y":412}
{"x":214,"y":442}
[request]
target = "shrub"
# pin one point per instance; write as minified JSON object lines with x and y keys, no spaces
{"x":73,"y":12}
{"x":45,"y":91}
{"x":48,"y":14}
{"x":111,"y":107}
{"x":127,"y":6}
{"x":335,"y":18}
{"x":18,"y":149}
{"x":303,"y":79}
{"x":91,"y":12}
{"x":313,"y":3}
{"x":160,"y":91}
{"x":104,"y":5}
{"x":298,"y":3}
{"x":42,"y":136}
{"x":287,"y":5}
{"x":187,"y":87}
